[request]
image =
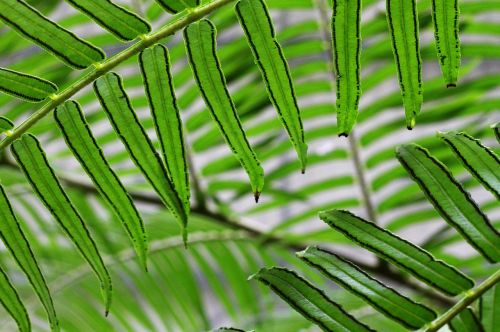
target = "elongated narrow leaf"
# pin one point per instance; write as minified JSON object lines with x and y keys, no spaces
{"x":481,"y":162}
{"x":14,"y":239}
{"x":346,"y":20}
{"x":496,"y":130}
{"x":403,"y":25}
{"x":175,"y":6}
{"x":12,"y":303}
{"x":34,"y":164}
{"x":445,"y":15}
{"x":79,"y":139}
{"x":227,"y":329}
{"x":256,"y":22}
{"x":466,"y":321}
{"x":24,"y":86}
{"x":5,"y":124}
{"x":384,"y":299}
{"x":158,"y":82}
{"x":201,"y":47}
{"x":489,"y":309}
{"x":452,"y":202}
{"x":109,"y":89}
{"x":31,"y":24}
{"x":117,"y":20}
{"x":309,"y":301}
{"x":407,"y":256}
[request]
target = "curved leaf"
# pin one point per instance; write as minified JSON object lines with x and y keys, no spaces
{"x":200,"y":43}
{"x":384,"y":299}
{"x":347,"y":51}
{"x":65,"y":45}
{"x":407,"y":256}
{"x":5,"y":124}
{"x":489,"y":308}
{"x":12,"y":303}
{"x":117,"y":20}
{"x":25,"y":86}
{"x":445,"y":15}
{"x":115,"y":102}
{"x":80,"y":140}
{"x":309,"y":301}
{"x":465,"y":321}
{"x":452,"y":202}
{"x":158,"y":83}
{"x":256,"y":22}
{"x":481,"y":162}
{"x":34,"y":164}
{"x":175,"y":6}
{"x":403,"y":25}
{"x":14,"y":239}
{"x":496,"y":130}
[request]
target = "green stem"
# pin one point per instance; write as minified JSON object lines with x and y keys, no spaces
{"x":190,"y":16}
{"x":470,"y":296}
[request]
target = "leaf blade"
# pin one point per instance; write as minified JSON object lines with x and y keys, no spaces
{"x":308,"y":300}
{"x":405,"y":44}
{"x":385,"y":299}
{"x":346,"y":36}
{"x":119,"y":21}
{"x":465,"y":321}
{"x":155,"y":68}
{"x":115,"y":102}
{"x":76,"y":132}
{"x":452,"y":202}
{"x":13,"y":304}
{"x":65,"y":45}
{"x":201,"y":47}
{"x":34,"y":164}
{"x":489,"y":305}
{"x":15,"y":240}
{"x":26,"y":87}
{"x":258,"y":27}
{"x":420,"y":263}
{"x":447,"y":38}
{"x":481,"y":162}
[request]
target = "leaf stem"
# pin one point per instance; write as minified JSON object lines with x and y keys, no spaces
{"x":470,"y":296}
{"x":101,"y":68}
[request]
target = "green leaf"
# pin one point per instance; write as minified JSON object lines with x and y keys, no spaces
{"x":489,"y":309}
{"x":256,"y":22}
{"x":65,"y":45}
{"x":34,"y":164}
{"x":158,"y":82}
{"x":227,"y":329}
{"x":200,"y":43}
{"x":347,"y":51}
{"x":481,"y":162}
{"x":15,"y":240}
{"x":309,"y":301}
{"x":175,"y":6}
{"x":12,"y":303}
{"x":5,"y":124}
{"x":384,"y":299}
{"x":82,"y":143}
{"x":117,"y":20}
{"x":445,"y":15}
{"x":25,"y":86}
{"x":452,"y":202}
{"x":407,"y":256}
{"x":115,"y":102}
{"x":403,"y":25}
{"x":466,"y":321}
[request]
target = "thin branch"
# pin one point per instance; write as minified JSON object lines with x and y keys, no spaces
{"x":470,"y":297}
{"x":189,"y":16}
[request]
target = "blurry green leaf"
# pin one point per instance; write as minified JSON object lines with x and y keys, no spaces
{"x":465,"y":321}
